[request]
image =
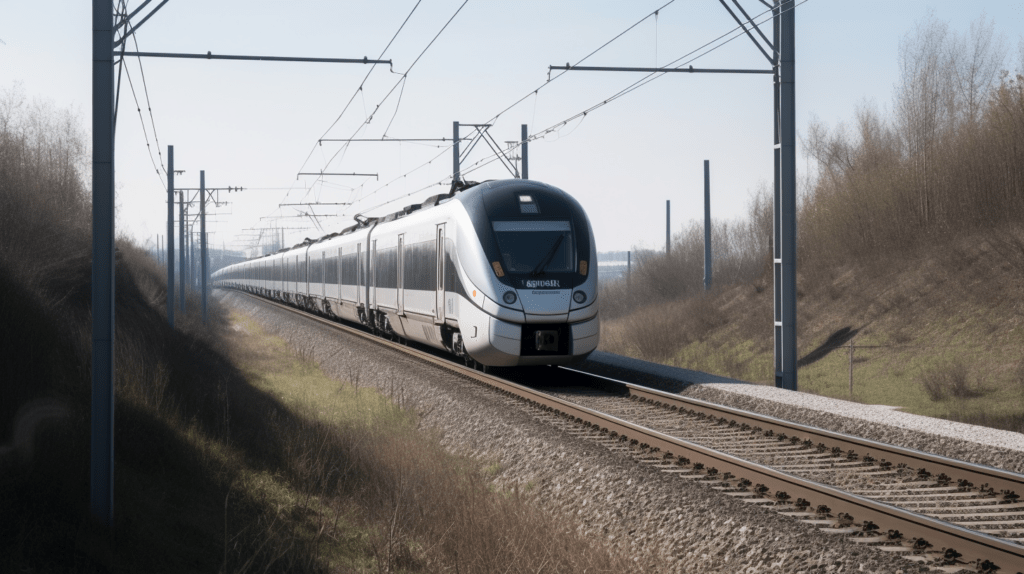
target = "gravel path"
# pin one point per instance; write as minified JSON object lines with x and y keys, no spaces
{"x":667,"y":524}
{"x":980,"y":445}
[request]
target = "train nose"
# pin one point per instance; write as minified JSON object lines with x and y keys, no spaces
{"x":545,"y":305}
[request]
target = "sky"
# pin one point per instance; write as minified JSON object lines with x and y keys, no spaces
{"x":256,"y":125}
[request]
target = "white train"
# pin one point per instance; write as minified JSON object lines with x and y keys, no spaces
{"x":502,"y":273}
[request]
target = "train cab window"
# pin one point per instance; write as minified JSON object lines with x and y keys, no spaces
{"x":536,"y":246}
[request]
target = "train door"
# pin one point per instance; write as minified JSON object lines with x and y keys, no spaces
{"x":304,"y":274}
{"x":401,"y":274}
{"x":323,"y":273}
{"x":439,"y":296}
{"x":373,"y":275}
{"x":359,"y":275}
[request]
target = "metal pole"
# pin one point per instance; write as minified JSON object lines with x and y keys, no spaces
{"x":101,"y":462}
{"x":202,"y":235}
{"x":707,"y":225}
{"x":456,"y":176}
{"x":785,"y":199}
{"x":526,"y":163}
{"x":181,"y":245}
{"x":170,"y":236}
{"x":629,"y":267}
{"x":668,"y":226}
{"x":851,"y":368}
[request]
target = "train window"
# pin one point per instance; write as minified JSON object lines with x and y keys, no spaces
{"x":419,"y":266}
{"x":536,"y":246}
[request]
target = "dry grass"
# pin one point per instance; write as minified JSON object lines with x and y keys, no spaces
{"x":909,"y":235}
{"x":214,"y":469}
{"x":422,"y":509}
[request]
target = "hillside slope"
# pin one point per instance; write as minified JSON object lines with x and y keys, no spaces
{"x":939,"y":331}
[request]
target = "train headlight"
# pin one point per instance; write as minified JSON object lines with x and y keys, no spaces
{"x":579,"y":297}
{"x":509,"y":297}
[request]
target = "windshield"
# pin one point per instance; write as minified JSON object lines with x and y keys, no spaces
{"x":535,"y":247}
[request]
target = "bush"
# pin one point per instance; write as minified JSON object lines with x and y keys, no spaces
{"x":953,"y":380}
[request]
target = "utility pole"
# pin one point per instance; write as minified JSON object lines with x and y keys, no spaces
{"x":181,"y":245}
{"x":707,"y":225}
{"x":668,"y":226}
{"x":191,"y":258}
{"x":525,"y":156}
{"x":784,"y":120}
{"x":785,"y":197}
{"x":101,"y":440}
{"x":101,"y":443}
{"x":456,"y":176}
{"x":170,"y":236}
{"x":202,"y":234}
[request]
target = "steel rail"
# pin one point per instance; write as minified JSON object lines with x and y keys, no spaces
{"x":974,"y":546}
{"x":996,"y":478}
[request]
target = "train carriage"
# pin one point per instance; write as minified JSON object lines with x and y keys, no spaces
{"x":500,"y":273}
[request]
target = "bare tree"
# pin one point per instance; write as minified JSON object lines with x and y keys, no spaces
{"x":1020,"y":57}
{"x":976,"y":60}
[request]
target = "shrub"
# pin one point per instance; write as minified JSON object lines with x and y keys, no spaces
{"x":952,"y":380}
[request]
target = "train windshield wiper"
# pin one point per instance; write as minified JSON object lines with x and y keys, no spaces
{"x":539,"y":269}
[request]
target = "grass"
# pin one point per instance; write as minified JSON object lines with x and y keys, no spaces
{"x":910,"y":243}
{"x":421,"y":508}
{"x":233,"y":452}
{"x":922,"y":319}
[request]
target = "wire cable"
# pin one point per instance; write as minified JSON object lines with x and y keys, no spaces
{"x":728,"y":37}
{"x":535,"y":91}
{"x":145,"y":89}
{"x":361,"y":84}
{"x":142,"y":120}
{"x":401,"y":82}
{"x":678,"y":63}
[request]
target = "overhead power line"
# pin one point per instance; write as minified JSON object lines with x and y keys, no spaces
{"x":359,"y":91}
{"x":696,"y":54}
{"x":401,"y":82}
{"x":533,"y":92}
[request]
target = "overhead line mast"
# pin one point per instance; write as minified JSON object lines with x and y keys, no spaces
{"x":104,"y":51}
{"x":780,"y":54}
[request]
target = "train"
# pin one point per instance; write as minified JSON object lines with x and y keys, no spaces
{"x":501,"y":273}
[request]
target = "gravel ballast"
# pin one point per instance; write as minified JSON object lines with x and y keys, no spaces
{"x":664,"y":523}
{"x":980,"y":445}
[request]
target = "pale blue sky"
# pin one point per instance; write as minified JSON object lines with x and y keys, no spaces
{"x":254,"y":124}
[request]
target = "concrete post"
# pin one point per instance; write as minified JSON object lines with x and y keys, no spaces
{"x":456,"y":175}
{"x":525,"y":155}
{"x":169,"y":241}
{"x":101,"y":441}
{"x":707,"y":225}
{"x":202,"y":237}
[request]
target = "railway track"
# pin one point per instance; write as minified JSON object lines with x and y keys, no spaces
{"x":951,"y":515}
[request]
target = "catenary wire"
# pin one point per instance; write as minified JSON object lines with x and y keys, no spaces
{"x":734,"y":33}
{"x":142,"y":120}
{"x":361,"y":84}
{"x":678,"y":62}
{"x":145,"y":90}
{"x":404,"y":76}
{"x":534,"y":92}
{"x":401,"y":81}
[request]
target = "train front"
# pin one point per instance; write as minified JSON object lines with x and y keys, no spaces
{"x":530,"y":260}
